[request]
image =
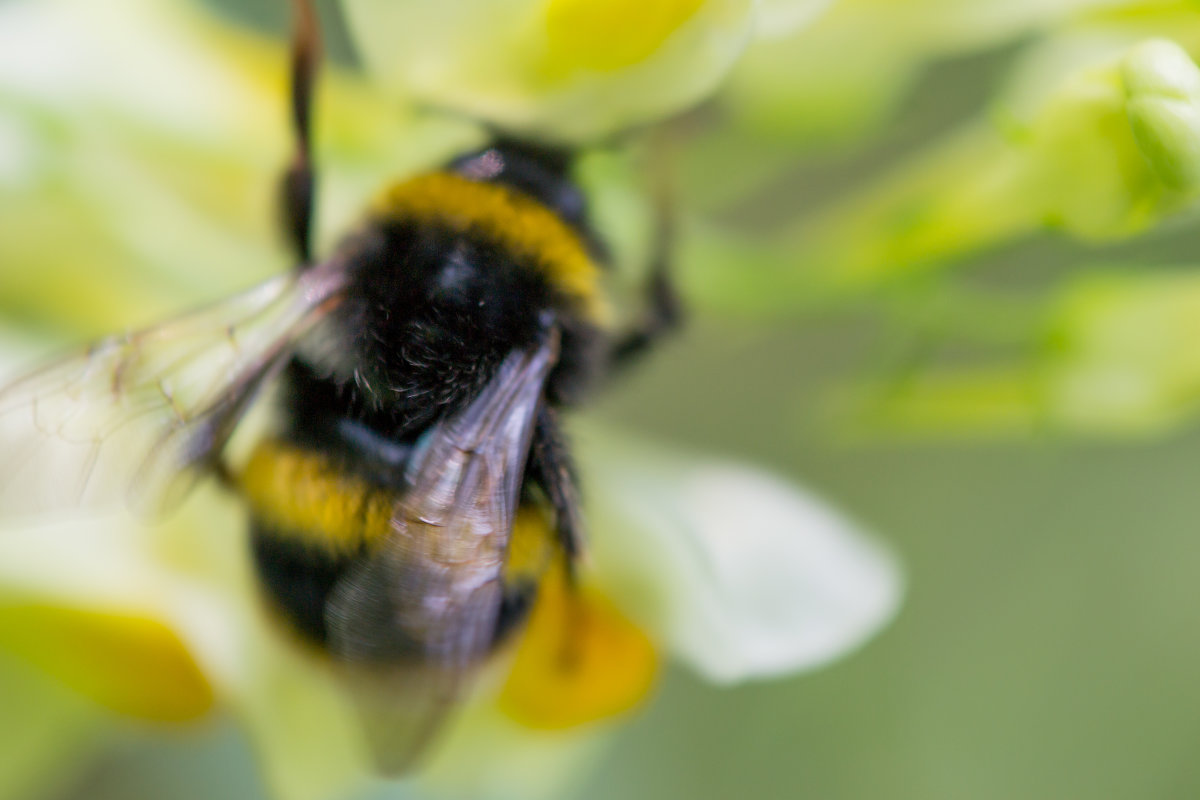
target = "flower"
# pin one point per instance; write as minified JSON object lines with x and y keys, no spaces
{"x":1087,"y":142}
{"x":568,"y":69}
{"x":1104,"y":154}
{"x":129,"y":193}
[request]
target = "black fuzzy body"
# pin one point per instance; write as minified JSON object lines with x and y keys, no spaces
{"x":429,"y":314}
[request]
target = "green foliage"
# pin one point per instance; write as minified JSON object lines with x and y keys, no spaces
{"x":1093,"y":141}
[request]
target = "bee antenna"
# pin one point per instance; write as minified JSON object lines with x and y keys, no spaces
{"x":298,"y":180}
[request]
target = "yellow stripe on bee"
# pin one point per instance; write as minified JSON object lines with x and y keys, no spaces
{"x":301,"y":493}
{"x":514,"y":221}
{"x":580,"y":660}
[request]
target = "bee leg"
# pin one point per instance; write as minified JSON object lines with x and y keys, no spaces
{"x":551,"y":467}
{"x":296,"y":187}
{"x":664,"y":310}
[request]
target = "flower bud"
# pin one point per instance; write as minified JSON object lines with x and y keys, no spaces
{"x":1162,"y":88}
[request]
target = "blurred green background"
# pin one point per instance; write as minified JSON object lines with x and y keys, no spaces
{"x":1047,"y":646}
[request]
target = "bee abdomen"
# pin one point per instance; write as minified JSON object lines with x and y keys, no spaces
{"x":312,"y":520}
{"x":297,"y":579}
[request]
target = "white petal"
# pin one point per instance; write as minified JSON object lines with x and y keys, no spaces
{"x":781,"y":17}
{"x":99,"y":57}
{"x":742,"y":573}
{"x":301,"y":724}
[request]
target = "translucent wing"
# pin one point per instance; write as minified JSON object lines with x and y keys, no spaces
{"x":430,"y":600}
{"x":135,"y":415}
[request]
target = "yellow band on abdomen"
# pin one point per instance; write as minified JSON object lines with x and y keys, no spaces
{"x":300,"y":493}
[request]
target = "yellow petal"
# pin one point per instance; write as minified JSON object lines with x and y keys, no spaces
{"x":586,"y":35}
{"x":131,"y":664}
{"x":573,"y":70}
{"x":580,"y":660}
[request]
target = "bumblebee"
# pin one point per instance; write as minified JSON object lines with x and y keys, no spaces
{"x":417,"y":488}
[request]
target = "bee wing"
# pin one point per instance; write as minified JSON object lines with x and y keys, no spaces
{"x":135,"y":415}
{"x":431,"y":598}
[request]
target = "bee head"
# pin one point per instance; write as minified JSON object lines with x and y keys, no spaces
{"x":538,"y":170}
